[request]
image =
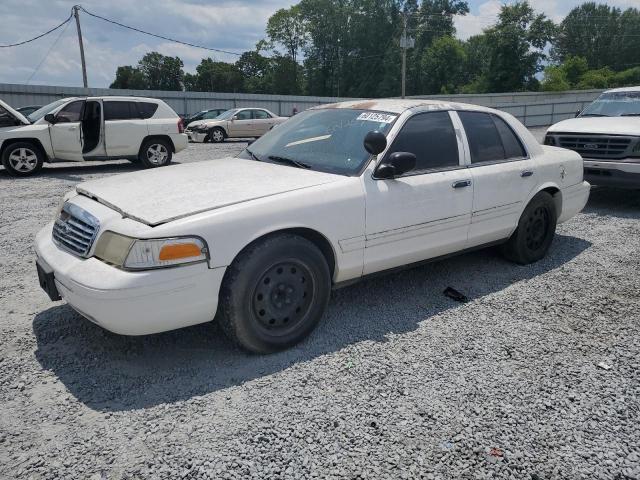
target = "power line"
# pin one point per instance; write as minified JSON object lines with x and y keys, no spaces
{"x":46,"y":55}
{"x":39,"y":36}
{"x":158,"y":36}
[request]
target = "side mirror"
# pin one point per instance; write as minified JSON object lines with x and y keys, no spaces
{"x":375,"y":142}
{"x":50,"y":117}
{"x":578,"y":113}
{"x":234,"y":118}
{"x":397,"y":164}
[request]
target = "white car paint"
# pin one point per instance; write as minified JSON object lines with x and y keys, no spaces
{"x":624,"y":170}
{"x":371,"y":225}
{"x":236,"y":127}
{"x":118,"y":138}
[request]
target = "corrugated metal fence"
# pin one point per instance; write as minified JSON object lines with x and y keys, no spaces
{"x":532,"y":108}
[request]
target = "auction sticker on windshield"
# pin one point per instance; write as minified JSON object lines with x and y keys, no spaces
{"x":376,"y":117}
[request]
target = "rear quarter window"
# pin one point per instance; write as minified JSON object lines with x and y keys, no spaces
{"x":147,"y":109}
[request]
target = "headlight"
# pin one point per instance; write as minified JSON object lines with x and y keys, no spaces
{"x":636,"y":150}
{"x":549,"y":140}
{"x":135,"y":254}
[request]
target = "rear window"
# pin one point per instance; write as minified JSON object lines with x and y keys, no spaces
{"x":114,"y":110}
{"x":147,"y":109}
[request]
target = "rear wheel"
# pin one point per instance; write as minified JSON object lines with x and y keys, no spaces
{"x":274,"y":293}
{"x":22,"y":159}
{"x":155,"y":153}
{"x":536,"y":229}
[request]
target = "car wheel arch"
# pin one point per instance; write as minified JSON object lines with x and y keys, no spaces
{"x":36,"y":142}
{"x":166,"y":138}
{"x":218,"y":127}
{"x":314,"y":236}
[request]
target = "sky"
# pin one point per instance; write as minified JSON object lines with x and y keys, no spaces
{"x":233,"y":25}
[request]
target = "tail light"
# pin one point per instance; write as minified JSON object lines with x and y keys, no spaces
{"x":180,"y":125}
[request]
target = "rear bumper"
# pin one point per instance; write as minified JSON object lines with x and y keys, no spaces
{"x":180,"y":141}
{"x":613,"y":174}
{"x":131,"y":303}
{"x":574,"y":199}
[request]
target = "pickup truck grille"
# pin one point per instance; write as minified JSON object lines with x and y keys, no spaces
{"x":597,"y":146}
{"x":75,"y":230}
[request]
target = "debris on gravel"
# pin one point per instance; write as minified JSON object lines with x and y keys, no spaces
{"x":537,"y":376}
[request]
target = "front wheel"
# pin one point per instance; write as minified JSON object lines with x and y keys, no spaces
{"x":155,"y":153}
{"x":536,"y":229}
{"x":22,"y":159}
{"x":274,"y":293}
{"x":216,"y":135}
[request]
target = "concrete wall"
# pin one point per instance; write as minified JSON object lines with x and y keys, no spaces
{"x":532,"y":108}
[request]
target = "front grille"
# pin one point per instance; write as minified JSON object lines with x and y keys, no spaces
{"x":597,"y":146}
{"x":75,"y":229}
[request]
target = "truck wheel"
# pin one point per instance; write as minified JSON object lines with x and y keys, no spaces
{"x":22,"y":159}
{"x":216,"y":135}
{"x":155,"y":153}
{"x":274,"y":293}
{"x":536,"y":228}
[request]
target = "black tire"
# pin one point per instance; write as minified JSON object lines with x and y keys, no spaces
{"x":536,"y":229}
{"x":155,"y":152}
{"x":274,"y":293}
{"x":22,"y":159}
{"x":216,"y":135}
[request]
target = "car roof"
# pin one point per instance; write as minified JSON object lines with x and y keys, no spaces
{"x":623,"y":89}
{"x":399,"y":105}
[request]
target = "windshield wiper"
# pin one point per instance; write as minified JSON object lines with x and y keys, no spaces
{"x":594,"y":115}
{"x":289,"y":161}
{"x":253,"y":155}
{"x":630,"y":115}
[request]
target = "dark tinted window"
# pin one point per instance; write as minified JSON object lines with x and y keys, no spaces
{"x":71,"y":112}
{"x":114,"y":110}
{"x":244,"y":115}
{"x":431,"y":138}
{"x":261,"y":114}
{"x":512,"y":146}
{"x":483,"y":136}
{"x":147,"y":109}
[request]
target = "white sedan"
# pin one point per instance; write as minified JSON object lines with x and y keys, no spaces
{"x":336,"y":193}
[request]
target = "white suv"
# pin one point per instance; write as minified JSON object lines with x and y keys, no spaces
{"x":143,"y":130}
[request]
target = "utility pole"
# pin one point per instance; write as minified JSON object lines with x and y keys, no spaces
{"x":405,"y":42}
{"x":84,"y":65}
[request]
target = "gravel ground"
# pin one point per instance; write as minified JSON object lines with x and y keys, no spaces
{"x":536,"y":377}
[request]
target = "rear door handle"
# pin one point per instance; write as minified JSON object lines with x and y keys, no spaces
{"x":461,"y":184}
{"x":526,"y":173}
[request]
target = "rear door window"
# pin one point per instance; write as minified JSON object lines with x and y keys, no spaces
{"x":118,"y":110}
{"x":484,"y":140}
{"x":260,"y":115}
{"x":431,"y":138}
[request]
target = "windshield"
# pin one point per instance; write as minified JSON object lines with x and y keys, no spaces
{"x":42,"y":111}
{"x":227,"y":115}
{"x":328,"y":140}
{"x":614,"y":104}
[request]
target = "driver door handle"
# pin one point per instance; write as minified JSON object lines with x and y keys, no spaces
{"x":73,"y":128}
{"x":526,"y":173}
{"x":461,"y":184}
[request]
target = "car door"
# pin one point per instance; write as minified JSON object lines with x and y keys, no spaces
{"x":263,"y":121}
{"x":503,"y":176}
{"x":426,"y":212}
{"x":241,"y":124}
{"x":66,"y":132}
{"x":124,"y":128}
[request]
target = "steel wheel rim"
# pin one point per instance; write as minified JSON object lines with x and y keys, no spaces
{"x":23,"y":160}
{"x":217,"y":135}
{"x":157,"y":154}
{"x":282,"y":297}
{"x":537,"y":228}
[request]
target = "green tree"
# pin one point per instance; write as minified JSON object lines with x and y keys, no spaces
{"x":286,"y":27}
{"x":555,"y":79}
{"x":214,"y":76}
{"x":162,"y":72}
{"x":517,"y":43}
{"x":443,"y":66}
{"x":129,"y":77}
{"x":255,"y":69}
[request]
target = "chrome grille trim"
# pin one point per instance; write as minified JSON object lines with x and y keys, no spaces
{"x":600,"y":146}
{"x":75,"y":230}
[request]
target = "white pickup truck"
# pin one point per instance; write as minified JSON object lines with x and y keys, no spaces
{"x":144,"y":130}
{"x":607,"y":136}
{"x":334,"y":194}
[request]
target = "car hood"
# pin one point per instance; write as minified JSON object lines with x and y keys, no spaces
{"x":601,"y":125}
{"x":195,"y":123}
{"x":18,"y":116}
{"x":158,"y":196}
